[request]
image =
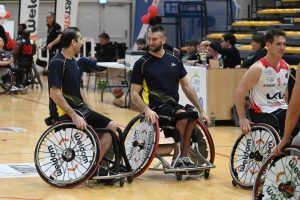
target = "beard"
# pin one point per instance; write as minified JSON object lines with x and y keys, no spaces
{"x":156,"y":49}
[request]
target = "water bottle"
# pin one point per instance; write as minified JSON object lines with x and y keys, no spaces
{"x":203,"y":58}
{"x":184,"y":60}
{"x":213,"y":120}
{"x":221,"y":63}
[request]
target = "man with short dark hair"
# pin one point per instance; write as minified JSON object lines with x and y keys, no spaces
{"x":21,"y":27}
{"x":230,"y":54}
{"x":105,"y":53}
{"x":64,"y":84}
{"x":23,"y":53}
{"x":267,"y":81}
{"x":53,"y":36}
{"x":154,"y":90}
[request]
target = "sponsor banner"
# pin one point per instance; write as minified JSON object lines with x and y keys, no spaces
{"x":258,"y":141}
{"x":283,"y":179}
{"x":66,"y":13}
{"x":17,"y":170}
{"x":197,"y":78}
{"x":29,"y":13}
{"x":11,"y":129}
{"x":141,"y":9}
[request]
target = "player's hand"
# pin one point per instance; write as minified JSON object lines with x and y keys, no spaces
{"x":204,"y":117}
{"x":150,"y":116}
{"x":278,"y":149}
{"x":79,"y":122}
{"x":245,"y":125}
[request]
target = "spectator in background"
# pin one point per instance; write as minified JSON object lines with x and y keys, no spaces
{"x":53,"y":36}
{"x":105,"y":53}
{"x":195,"y":59}
{"x":191,"y":48}
{"x":3,"y":36}
{"x":230,"y":54}
{"x":21,"y":28}
{"x":142,"y":44}
{"x":258,"y":46}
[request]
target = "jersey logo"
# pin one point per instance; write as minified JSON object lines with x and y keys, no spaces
{"x":173,"y":64}
{"x":275,"y":96}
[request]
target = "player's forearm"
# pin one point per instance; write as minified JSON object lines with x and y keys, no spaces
{"x":138,"y":101}
{"x":192,"y":97}
{"x":84,"y":99}
{"x":240,"y":105}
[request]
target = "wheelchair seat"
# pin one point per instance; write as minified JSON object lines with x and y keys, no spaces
{"x":266,"y":118}
{"x":142,"y":146}
{"x":251,"y":150}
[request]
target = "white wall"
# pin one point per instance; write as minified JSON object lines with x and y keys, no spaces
{"x":92,"y":18}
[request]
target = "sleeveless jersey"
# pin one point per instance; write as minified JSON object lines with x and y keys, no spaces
{"x":267,"y":95}
{"x":27,"y":51}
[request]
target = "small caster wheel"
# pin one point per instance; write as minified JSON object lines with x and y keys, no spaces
{"x":178,"y":177}
{"x":129,"y":179}
{"x":121,"y":182}
{"x":233,"y":183}
{"x":206,"y":173}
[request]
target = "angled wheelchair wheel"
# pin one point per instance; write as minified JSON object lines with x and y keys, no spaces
{"x":249,"y":152}
{"x":278,"y":177}
{"x":65,"y":156}
{"x":205,"y":144}
{"x":141,"y":142}
{"x":6,"y":80}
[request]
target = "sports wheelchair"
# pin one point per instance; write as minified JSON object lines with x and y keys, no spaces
{"x":278,"y":177}
{"x":66,"y":157}
{"x":251,"y":150}
{"x":32,"y":74}
{"x":6,"y":80}
{"x":142,"y":145}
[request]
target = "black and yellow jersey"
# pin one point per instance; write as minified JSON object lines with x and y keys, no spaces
{"x":159,"y":78}
{"x":64,"y":74}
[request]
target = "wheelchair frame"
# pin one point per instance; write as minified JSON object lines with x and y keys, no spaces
{"x":160,"y":150}
{"x":63,"y":143}
{"x":278,"y":177}
{"x":4,"y":88}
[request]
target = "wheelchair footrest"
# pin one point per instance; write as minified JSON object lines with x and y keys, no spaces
{"x":116,"y":176}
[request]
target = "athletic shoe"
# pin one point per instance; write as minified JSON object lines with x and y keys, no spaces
{"x":187,"y":162}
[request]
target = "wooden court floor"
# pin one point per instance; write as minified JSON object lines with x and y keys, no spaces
{"x":28,"y":111}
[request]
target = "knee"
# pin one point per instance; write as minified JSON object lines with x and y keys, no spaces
{"x":113,"y":126}
{"x":182,"y":123}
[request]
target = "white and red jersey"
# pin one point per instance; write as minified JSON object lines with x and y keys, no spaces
{"x":267,"y":95}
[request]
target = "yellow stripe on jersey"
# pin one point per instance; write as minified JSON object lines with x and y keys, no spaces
{"x":145,"y":93}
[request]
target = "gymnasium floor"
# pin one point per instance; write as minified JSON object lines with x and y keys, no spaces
{"x":28,"y":111}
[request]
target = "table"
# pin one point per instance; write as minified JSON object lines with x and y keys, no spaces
{"x":116,"y":65}
{"x":215,"y":89}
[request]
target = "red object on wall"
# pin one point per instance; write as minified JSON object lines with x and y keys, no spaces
{"x":145,"y":19}
{"x":7,"y":15}
{"x":152,"y":10}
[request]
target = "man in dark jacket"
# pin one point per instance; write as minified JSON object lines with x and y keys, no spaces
{"x":230,"y":54}
{"x":105,"y":53}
